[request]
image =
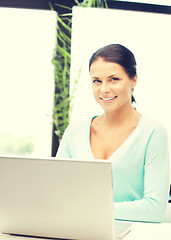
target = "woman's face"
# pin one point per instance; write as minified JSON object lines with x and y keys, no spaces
{"x":112,"y":87}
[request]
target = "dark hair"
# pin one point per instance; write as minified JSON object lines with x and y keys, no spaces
{"x":117,"y":53}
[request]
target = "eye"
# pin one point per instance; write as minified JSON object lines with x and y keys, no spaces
{"x":96,"y":81}
{"x":114,"y":79}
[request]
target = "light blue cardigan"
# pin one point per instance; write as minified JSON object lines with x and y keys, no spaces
{"x":140,"y":168}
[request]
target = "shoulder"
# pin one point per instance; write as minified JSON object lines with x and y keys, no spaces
{"x":152,"y":125}
{"x":76,"y":127}
{"x":96,"y":123}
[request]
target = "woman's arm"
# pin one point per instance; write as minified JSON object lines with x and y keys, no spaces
{"x":151,"y":207}
{"x":63,"y":150}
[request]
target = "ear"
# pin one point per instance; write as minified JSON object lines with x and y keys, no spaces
{"x":134,"y":81}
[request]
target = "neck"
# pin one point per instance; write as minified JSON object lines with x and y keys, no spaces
{"x":121,"y":116}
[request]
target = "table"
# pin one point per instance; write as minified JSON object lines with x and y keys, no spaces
{"x":140,"y":231}
{"x":149,"y":231}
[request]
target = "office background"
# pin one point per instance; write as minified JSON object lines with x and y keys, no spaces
{"x":44,"y":140}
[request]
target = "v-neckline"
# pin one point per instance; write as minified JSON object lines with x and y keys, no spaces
{"x":122,"y":145}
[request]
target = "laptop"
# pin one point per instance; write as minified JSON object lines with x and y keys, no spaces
{"x":58,"y":198}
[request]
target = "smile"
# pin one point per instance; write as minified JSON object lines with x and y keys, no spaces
{"x":108,"y":100}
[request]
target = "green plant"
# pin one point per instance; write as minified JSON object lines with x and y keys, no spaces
{"x":62,"y":61}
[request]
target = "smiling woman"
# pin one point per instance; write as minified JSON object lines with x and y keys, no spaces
{"x":135,"y":144}
{"x":112,"y":83}
{"x":113,"y":73}
{"x":113,"y":68}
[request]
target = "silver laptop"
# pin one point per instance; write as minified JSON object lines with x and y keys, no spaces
{"x":58,"y":198}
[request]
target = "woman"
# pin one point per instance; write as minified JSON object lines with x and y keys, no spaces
{"x":135,"y":144}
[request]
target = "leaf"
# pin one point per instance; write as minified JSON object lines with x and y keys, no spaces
{"x":61,"y":60}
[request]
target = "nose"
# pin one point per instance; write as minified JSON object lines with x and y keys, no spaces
{"x":105,"y":88}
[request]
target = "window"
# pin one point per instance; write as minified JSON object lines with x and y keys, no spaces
{"x":26,"y":79}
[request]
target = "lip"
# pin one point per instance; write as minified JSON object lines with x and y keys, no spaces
{"x":108,"y":100}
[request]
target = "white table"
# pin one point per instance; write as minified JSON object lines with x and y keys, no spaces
{"x":140,"y":231}
{"x":149,"y":231}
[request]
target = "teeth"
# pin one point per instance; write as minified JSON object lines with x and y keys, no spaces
{"x":107,"y":99}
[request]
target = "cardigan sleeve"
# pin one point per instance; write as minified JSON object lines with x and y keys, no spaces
{"x":151,"y":207}
{"x":63,"y":150}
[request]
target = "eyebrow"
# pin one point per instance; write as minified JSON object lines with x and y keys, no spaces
{"x":95,"y":77}
{"x":113,"y":75}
